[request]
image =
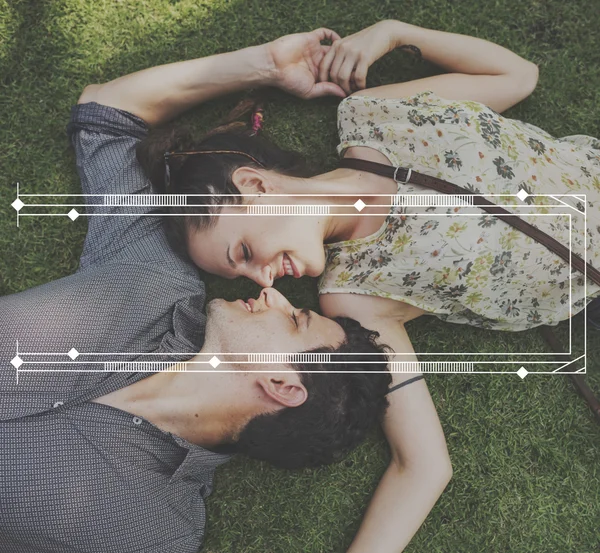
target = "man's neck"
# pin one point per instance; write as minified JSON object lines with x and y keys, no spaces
{"x":201,"y":405}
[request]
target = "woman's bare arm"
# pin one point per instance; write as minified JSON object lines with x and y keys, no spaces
{"x":420,"y":466}
{"x":479,"y":70}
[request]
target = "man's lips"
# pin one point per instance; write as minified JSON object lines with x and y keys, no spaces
{"x":247,"y":306}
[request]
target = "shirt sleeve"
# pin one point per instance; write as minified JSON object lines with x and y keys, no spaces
{"x":105,"y":140}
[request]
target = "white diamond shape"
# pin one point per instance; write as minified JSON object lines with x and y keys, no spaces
{"x":522,"y":372}
{"x":18,"y":204}
{"x":73,"y":353}
{"x":16,"y":362}
{"x":522,"y":194}
{"x":73,"y":214}
{"x":215,"y":362}
{"x":360,"y":205}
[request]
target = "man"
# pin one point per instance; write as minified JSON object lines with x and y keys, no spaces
{"x":97,"y":453}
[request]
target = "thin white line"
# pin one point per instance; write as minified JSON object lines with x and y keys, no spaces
{"x":585,"y":277}
{"x":17,"y":340}
{"x":245,"y":214}
{"x":173,"y":354}
{"x":571,"y":286}
{"x":390,"y":205}
{"x":397,"y":200}
{"x":279,"y":371}
{"x":415,"y":214}
{"x":63,"y":205}
{"x":564,"y":203}
{"x":569,"y":363}
{"x":553,"y":196}
{"x":278,"y":362}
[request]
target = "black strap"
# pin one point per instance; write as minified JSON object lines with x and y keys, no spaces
{"x":405,"y":383}
{"x":404,"y":175}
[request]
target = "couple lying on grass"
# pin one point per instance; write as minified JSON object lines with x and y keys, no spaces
{"x":141,"y":448}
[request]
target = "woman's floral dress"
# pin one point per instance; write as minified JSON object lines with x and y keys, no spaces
{"x":472,"y":269}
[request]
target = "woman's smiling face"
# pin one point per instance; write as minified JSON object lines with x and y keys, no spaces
{"x":259,"y":247}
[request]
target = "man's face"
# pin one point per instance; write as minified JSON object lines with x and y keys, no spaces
{"x":269,"y":324}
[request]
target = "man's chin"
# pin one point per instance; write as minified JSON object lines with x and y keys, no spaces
{"x":214,"y":305}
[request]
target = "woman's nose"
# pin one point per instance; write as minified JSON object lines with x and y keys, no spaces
{"x":263,"y":277}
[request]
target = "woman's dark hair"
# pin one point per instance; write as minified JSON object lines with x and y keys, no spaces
{"x":208,"y":173}
{"x":337,"y":415}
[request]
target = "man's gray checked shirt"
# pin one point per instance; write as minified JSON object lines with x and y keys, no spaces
{"x":77,"y":476}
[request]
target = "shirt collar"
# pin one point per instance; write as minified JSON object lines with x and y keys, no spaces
{"x":199,"y":463}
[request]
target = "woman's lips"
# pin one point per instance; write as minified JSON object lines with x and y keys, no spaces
{"x":247,"y":306}
{"x":294,"y":268}
{"x":283,"y":271}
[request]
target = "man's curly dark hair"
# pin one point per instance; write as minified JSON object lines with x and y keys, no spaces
{"x":338,"y":413}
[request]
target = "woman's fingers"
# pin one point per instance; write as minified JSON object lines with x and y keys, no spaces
{"x":336,"y":66}
{"x":326,"y":64}
{"x":345,"y":72}
{"x":360,"y":74}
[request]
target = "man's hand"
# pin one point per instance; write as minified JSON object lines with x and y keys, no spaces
{"x":296,"y":59}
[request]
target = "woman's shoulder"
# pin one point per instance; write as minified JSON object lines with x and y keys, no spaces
{"x":360,"y":101}
{"x":361,"y":116}
{"x":427,"y":99}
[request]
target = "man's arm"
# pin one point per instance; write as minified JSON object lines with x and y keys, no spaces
{"x":160,"y":93}
{"x":111,"y":118}
{"x":420,"y":466}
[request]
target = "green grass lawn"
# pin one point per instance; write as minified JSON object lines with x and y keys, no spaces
{"x":525,"y":453}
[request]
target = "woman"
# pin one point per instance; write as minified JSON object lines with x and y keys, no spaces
{"x":413,"y":124}
{"x":399,"y":263}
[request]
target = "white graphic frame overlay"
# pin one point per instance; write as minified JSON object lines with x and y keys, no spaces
{"x":520,"y":204}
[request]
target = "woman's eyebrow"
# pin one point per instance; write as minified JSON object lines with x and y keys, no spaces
{"x":231,"y":262}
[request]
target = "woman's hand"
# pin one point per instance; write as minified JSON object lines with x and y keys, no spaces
{"x":295,"y":61}
{"x":348,"y":60}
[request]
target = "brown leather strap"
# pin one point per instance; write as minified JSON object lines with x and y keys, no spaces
{"x":578,"y":379}
{"x":404,"y":175}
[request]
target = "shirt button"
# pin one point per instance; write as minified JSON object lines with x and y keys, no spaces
{"x":137,"y":420}
{"x":58,"y":404}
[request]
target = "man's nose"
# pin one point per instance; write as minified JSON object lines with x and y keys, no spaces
{"x":274,"y":299}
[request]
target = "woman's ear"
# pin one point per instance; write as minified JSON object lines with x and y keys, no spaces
{"x":285,"y":389}
{"x":249,"y":180}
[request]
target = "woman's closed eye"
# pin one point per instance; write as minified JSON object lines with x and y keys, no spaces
{"x":295,"y":319}
{"x":245,"y":252}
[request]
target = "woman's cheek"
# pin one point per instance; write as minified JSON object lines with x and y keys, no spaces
{"x":319,"y":265}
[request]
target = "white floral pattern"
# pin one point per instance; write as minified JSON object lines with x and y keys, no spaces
{"x":471,"y":269}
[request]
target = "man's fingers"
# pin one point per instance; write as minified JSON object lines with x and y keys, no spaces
{"x":326,"y":89}
{"x":326,"y":64}
{"x":325,"y":34}
{"x":319,"y":55}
